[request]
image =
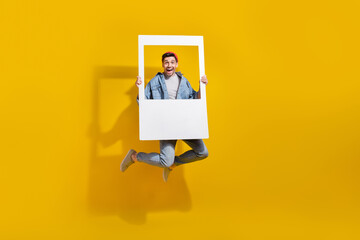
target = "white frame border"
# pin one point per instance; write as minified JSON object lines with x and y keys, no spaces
{"x":166,"y":40}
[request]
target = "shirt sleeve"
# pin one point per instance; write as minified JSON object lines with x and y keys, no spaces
{"x":148,"y":94}
{"x":192,"y":93}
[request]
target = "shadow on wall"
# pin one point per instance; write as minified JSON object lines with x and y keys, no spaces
{"x":139,"y":190}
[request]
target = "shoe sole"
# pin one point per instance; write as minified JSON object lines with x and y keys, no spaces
{"x":166,"y":178}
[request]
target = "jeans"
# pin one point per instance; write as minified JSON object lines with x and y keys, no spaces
{"x":167,"y":157}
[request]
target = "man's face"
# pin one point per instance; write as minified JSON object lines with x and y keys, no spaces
{"x":169,"y":64}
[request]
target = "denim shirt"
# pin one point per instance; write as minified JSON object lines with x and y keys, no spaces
{"x":156,"y":88}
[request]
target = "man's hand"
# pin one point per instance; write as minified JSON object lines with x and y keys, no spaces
{"x":138,"y":81}
{"x":204,"y":80}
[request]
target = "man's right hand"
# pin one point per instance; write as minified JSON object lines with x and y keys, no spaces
{"x":138,"y":81}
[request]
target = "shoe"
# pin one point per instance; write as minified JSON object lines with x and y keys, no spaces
{"x":127,"y":161}
{"x":166,"y":173}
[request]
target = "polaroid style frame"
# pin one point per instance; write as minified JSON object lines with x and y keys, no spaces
{"x":162,"y":119}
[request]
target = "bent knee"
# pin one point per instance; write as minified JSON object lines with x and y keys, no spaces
{"x":166,"y":162}
{"x":203,"y":154}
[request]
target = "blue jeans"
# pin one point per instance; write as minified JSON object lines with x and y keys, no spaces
{"x":167,"y":157}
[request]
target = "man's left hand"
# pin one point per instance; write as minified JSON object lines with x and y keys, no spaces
{"x":204,"y":80}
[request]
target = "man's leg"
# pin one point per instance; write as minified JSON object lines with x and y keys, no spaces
{"x":166,"y":157}
{"x":198,"y":152}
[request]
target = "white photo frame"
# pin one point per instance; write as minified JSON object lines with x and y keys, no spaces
{"x":172,"y":119}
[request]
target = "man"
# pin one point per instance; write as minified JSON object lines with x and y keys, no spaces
{"x":168,"y":85}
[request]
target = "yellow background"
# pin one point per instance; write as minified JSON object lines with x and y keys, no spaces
{"x":283,"y":107}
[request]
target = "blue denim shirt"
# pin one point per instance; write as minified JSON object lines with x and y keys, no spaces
{"x":156,"y":88}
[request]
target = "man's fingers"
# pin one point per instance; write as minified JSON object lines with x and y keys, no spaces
{"x":138,"y":81}
{"x":204,"y":80}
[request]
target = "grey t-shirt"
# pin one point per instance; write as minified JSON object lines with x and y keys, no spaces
{"x":172,"y":85}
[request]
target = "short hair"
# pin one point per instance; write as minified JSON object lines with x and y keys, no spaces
{"x":169,"y":54}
